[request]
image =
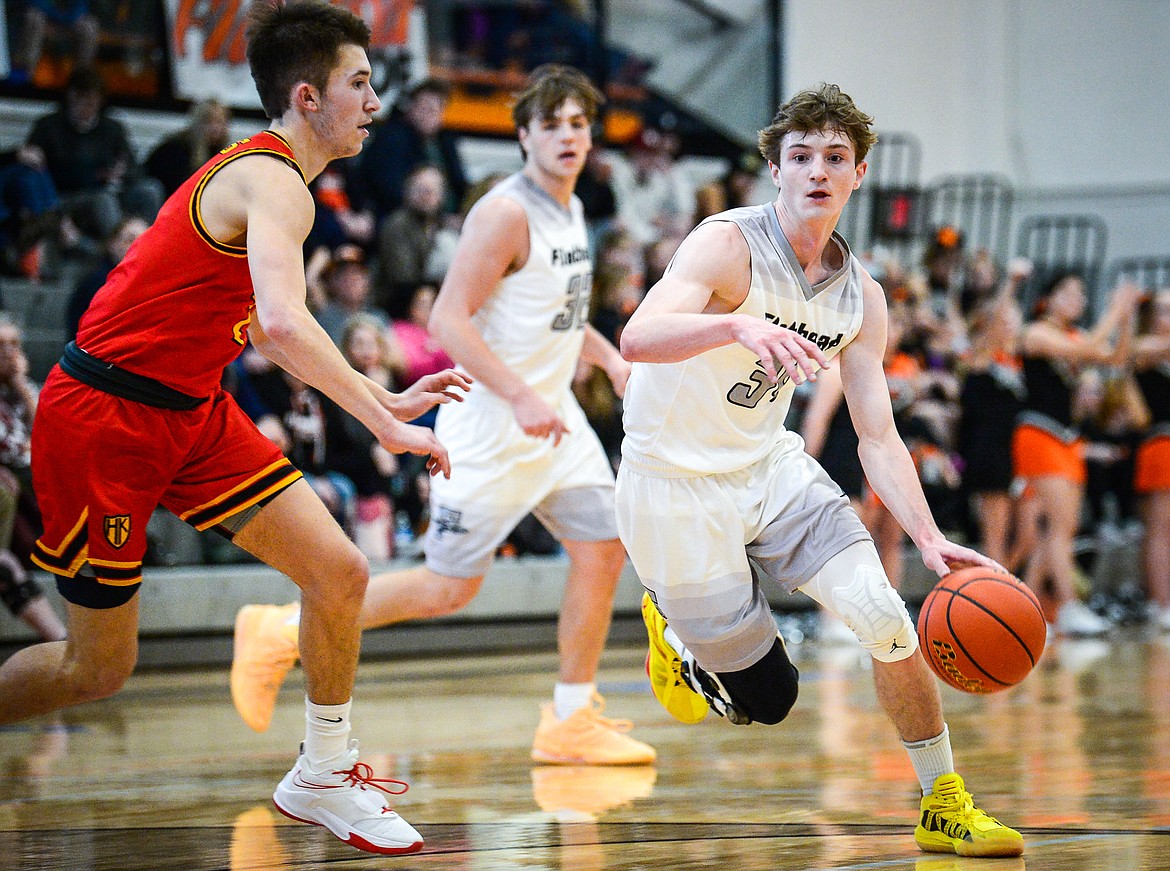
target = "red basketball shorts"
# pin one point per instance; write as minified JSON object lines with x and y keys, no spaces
{"x":102,"y":464}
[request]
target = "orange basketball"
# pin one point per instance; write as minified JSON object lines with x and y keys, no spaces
{"x":981,"y":630}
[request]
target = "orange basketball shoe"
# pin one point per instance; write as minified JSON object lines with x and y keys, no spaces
{"x":587,"y":738}
{"x":264,"y":650}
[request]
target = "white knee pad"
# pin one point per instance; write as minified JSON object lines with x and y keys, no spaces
{"x":853,"y":587}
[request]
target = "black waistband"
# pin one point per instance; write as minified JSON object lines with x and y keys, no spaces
{"x":118,"y":382}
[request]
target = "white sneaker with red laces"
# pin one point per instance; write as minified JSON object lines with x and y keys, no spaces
{"x":351,"y":803}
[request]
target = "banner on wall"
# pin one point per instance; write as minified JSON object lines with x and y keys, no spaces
{"x":207,"y":45}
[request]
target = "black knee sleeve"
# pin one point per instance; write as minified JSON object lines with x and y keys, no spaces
{"x":765,"y":691}
{"x":16,"y":590}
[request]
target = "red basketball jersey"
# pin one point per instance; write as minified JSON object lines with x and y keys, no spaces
{"x":177,"y":308}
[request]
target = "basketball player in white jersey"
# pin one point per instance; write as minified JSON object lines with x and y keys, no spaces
{"x":714,"y":494}
{"x":513,"y":313}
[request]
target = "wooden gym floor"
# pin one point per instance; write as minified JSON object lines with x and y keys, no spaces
{"x":165,"y":776}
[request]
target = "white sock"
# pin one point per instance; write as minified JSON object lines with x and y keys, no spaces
{"x":326,"y":733}
{"x":568,"y":698}
{"x":931,"y":758}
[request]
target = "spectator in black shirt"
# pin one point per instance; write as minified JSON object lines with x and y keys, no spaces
{"x":89,"y":156}
{"x":412,"y":135}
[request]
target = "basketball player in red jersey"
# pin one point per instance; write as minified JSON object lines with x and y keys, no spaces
{"x":134,"y":417}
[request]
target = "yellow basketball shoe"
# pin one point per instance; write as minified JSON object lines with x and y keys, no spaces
{"x":664,"y":666}
{"x":264,"y":650}
{"x":950,"y":823}
{"x":587,"y":738}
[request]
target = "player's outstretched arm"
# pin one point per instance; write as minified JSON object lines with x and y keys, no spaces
{"x":277,"y":211}
{"x":888,"y":467}
{"x":438,"y":388}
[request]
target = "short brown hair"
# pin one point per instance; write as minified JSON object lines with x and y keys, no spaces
{"x":823,"y":108}
{"x":548,"y":87}
{"x":292,"y":41}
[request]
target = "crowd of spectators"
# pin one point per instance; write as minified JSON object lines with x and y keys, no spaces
{"x":959,"y":364}
{"x":386,"y":226}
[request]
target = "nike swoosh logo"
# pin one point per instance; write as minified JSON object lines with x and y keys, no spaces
{"x":329,"y":719}
{"x":300,"y":781}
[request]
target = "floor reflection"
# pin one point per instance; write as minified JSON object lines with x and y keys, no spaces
{"x":164,"y":776}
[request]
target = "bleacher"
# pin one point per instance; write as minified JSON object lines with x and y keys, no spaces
{"x":38,"y":308}
{"x":199,"y":602}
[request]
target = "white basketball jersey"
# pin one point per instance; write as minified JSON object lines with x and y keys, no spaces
{"x":534,"y":321}
{"x":717,"y":412}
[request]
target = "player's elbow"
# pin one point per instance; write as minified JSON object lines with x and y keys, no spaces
{"x":443,"y":323}
{"x":632,"y":344}
{"x":278,"y":327}
{"x":435,"y":325}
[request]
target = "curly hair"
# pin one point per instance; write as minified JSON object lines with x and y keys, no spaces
{"x":824,"y":108}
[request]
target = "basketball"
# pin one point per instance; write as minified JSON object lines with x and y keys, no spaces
{"x":981,"y":630}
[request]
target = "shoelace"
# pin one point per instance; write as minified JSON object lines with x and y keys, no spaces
{"x":608,"y":722}
{"x":963,"y":806}
{"x":361,"y":776}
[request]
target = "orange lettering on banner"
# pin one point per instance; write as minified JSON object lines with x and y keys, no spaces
{"x":223,"y":22}
{"x":388,"y":19}
{"x":225,"y":42}
{"x":184,"y":20}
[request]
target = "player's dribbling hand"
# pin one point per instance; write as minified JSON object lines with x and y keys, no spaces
{"x":438,"y":388}
{"x":945,"y":557}
{"x":410,"y":439}
{"x":795,"y":354}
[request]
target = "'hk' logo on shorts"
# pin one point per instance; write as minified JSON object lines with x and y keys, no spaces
{"x":117,"y":529}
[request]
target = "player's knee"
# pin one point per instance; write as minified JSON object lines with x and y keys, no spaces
{"x":876,"y":614}
{"x":99,"y":677}
{"x":448,"y":595}
{"x":766,"y":690}
{"x":613,"y":555}
{"x":105,"y":683}
{"x":894,"y":646}
{"x":345,"y":573}
{"x":890,"y":636}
